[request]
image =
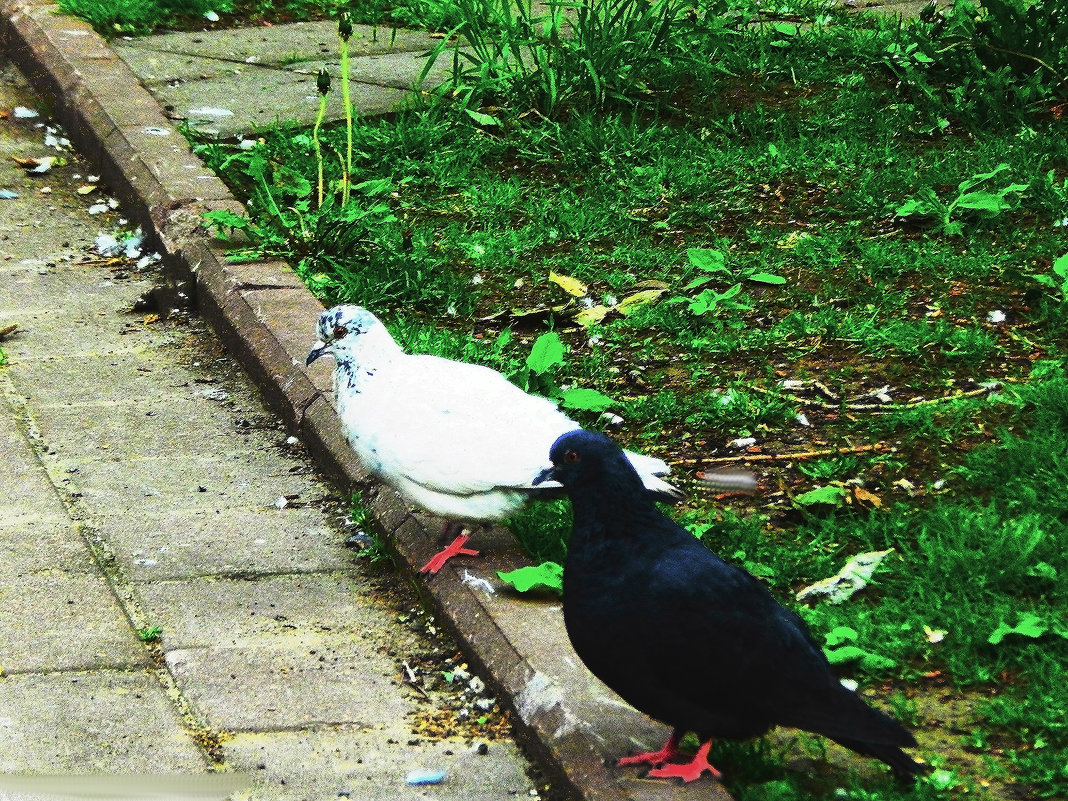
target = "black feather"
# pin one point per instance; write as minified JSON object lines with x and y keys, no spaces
{"x":685,"y":637}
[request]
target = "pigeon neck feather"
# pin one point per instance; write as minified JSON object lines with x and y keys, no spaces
{"x":359,"y":356}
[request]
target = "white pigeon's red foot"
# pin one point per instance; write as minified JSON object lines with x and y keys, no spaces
{"x":454,"y":548}
{"x":688,"y":771}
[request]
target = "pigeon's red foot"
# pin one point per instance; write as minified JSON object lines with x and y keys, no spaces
{"x":454,"y":548}
{"x":670,"y":750}
{"x":688,"y":771}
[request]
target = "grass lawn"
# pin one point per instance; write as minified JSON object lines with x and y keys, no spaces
{"x":829,"y":247}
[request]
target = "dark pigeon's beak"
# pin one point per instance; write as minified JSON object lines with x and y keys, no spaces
{"x":548,"y":474}
{"x":318,"y":350}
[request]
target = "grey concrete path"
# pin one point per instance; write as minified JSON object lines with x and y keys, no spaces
{"x":228,"y":83}
{"x":145,"y":485}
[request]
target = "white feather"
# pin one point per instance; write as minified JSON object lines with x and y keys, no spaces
{"x":456,"y":439}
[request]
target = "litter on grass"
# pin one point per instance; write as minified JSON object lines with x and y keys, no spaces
{"x":849,"y":580}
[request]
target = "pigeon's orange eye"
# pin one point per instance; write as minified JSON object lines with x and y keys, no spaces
{"x":571,"y":457}
{"x":339,"y":331}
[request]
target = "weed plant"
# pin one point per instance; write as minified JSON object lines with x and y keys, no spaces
{"x":825,"y":232}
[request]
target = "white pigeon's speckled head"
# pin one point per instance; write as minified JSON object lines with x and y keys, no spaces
{"x":340,"y":331}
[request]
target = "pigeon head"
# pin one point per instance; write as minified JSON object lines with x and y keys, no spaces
{"x":585,"y":458}
{"x":338,"y":328}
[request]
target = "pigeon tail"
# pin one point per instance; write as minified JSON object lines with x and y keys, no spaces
{"x":649,"y":470}
{"x":903,"y":766}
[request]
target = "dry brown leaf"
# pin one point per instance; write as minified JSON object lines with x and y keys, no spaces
{"x":864,"y":496}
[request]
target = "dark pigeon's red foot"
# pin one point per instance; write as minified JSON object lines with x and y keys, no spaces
{"x":669,"y":751}
{"x":688,"y":771}
{"x":454,"y":548}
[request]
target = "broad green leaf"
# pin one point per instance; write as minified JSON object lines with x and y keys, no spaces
{"x":1043,"y":570}
{"x":548,"y":351}
{"x":1030,"y":625}
{"x":697,"y":282}
{"x":990,"y":203}
{"x":707,"y":259}
{"x":1060,"y":266}
{"x":841,"y":634}
{"x":589,"y":400}
{"x":503,"y":339}
{"x":852,"y":653}
{"x":482,"y":119}
{"x":546,"y":576}
{"x":291,"y":180}
{"x":571,"y":286}
{"x":224,"y":220}
{"x":968,"y":183}
{"x":767,"y":278}
{"x":914,"y":205}
{"x":829,"y":495}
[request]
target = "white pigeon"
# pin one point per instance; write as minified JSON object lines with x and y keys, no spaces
{"x":458,"y":440}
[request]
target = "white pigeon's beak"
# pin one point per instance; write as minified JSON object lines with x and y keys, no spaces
{"x":318,"y":349}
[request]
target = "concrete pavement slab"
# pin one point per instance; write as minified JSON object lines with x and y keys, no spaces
{"x":204,"y":612}
{"x":231,"y":82}
{"x":220,"y":542}
{"x":275,"y":45}
{"x":101,"y":722}
{"x":298,"y":681}
{"x":56,"y":620}
{"x":31,"y":542}
{"x":78,"y":391}
{"x":226,"y":106}
{"x":346,"y":762}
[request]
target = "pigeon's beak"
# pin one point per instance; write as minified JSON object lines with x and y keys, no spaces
{"x":548,"y":474}
{"x":317,"y":350}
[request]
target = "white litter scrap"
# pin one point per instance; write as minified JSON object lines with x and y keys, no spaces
{"x":477,"y":582}
{"x":44,"y":164}
{"x":850,"y":579}
{"x":209,"y":111}
{"x":129,"y":246}
{"x":54,"y":138}
{"x":148,"y":260}
{"x":107,"y":244}
{"x":418,"y":777}
{"x":211,"y":16}
{"x":742,"y":442}
{"x":23,"y":113}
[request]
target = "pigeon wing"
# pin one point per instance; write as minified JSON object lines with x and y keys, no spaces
{"x":455,"y":427}
{"x":752,"y":662}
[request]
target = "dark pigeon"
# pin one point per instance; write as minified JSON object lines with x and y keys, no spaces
{"x":687,"y":638}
